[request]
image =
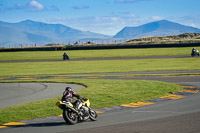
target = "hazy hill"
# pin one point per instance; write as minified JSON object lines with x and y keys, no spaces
{"x":31,"y":32}
{"x":157,"y":28}
{"x":182,"y":38}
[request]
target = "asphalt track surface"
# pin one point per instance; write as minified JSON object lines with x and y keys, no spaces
{"x":105,"y":58}
{"x":19,"y":93}
{"x":170,"y":116}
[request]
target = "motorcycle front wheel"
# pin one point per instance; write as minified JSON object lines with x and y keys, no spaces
{"x":70,"y":117}
{"x":93,"y":115}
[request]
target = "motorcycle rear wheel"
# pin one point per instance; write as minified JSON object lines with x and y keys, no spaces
{"x":70,"y":117}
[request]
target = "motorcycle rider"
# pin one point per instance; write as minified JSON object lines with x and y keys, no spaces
{"x":65,"y":56}
{"x":195,"y":52}
{"x":68,"y":95}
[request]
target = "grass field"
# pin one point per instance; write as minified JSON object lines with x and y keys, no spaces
{"x":94,"y":53}
{"x":47,"y":68}
{"x":102,"y":93}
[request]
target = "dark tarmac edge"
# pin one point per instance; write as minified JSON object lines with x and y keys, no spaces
{"x":98,"y":59}
{"x":162,"y":125}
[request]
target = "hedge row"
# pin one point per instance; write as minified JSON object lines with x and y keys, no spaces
{"x":90,"y":47}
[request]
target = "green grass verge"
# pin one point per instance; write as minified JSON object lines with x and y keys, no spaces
{"x":102,"y":93}
{"x":48,"y":68}
{"x":35,"y":55}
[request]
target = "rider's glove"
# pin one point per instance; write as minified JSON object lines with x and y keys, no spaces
{"x":85,"y":99}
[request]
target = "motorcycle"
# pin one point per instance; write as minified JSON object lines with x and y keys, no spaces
{"x":65,"y":56}
{"x":195,"y":52}
{"x":72,"y":115}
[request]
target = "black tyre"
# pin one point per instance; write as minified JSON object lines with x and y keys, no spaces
{"x":93,"y":115}
{"x":70,"y":117}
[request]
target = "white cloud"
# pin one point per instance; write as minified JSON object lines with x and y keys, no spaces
{"x":33,"y":6}
{"x":193,"y":25}
{"x":114,"y":18}
{"x":36,"y":6}
{"x":108,"y":25}
{"x":157,"y":18}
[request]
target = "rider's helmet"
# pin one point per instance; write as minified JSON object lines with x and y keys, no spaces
{"x":68,"y":89}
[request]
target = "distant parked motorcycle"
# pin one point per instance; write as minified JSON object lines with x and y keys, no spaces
{"x":194,"y":52}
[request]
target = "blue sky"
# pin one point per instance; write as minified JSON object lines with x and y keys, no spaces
{"x":101,"y":16}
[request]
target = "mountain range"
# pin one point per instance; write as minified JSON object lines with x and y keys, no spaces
{"x":157,"y":28}
{"x":30,"y":32}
